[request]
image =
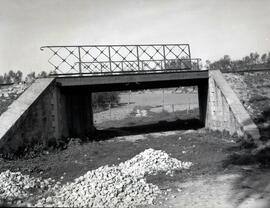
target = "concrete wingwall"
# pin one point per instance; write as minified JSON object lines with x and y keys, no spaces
{"x":226,"y":112}
{"x":30,"y":118}
{"x":44,"y":114}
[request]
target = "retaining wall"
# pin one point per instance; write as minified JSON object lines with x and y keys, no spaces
{"x":29,"y":119}
{"x":226,"y":112}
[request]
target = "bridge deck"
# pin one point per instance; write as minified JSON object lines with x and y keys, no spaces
{"x":135,"y":81}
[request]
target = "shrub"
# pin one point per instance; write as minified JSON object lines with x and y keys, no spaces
{"x":103,"y":99}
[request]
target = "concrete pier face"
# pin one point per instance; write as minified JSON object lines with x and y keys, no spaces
{"x":73,"y":113}
{"x":203,"y":99}
{"x":79,"y":114}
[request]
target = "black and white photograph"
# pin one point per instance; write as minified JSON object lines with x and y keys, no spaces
{"x":135,"y":103}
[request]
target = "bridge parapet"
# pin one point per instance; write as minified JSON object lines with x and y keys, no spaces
{"x":119,"y":59}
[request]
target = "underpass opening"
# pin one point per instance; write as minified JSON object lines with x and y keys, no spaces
{"x":75,"y":114}
{"x":134,"y":112}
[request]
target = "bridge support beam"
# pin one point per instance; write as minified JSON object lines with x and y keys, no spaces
{"x":203,"y":100}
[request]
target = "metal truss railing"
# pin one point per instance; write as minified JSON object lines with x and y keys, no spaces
{"x":117,"y":59}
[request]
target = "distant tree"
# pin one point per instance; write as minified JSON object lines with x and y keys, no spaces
{"x":264,"y":58}
{"x":103,"y":99}
{"x":257,"y":58}
{"x":224,"y":64}
{"x":268,"y":58}
{"x":42,"y":74}
{"x":12,"y":75}
{"x":7,"y":78}
{"x":30,"y":77}
{"x":248,"y":62}
{"x":2,"y":81}
{"x":18,"y":76}
{"x":254,"y":58}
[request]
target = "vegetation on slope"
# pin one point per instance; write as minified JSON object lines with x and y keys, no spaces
{"x":252,"y":61}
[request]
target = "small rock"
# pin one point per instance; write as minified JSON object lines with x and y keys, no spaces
{"x":49,"y":199}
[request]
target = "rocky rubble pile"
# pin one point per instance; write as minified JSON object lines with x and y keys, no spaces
{"x":151,"y":162}
{"x":19,"y":187}
{"x":103,"y":187}
{"x":123,"y":185}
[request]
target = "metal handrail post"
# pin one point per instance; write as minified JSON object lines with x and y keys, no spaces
{"x":110,"y":61}
{"x":189,"y":57}
{"x":164,"y":57}
{"x":138,"y":57}
{"x":80,"y":60}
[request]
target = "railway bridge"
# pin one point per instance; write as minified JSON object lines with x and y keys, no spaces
{"x":61,"y":106}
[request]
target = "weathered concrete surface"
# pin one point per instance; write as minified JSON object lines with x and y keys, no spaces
{"x":226,"y":112}
{"x":28,"y":118}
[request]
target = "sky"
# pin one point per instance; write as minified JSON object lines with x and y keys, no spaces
{"x":213,"y":28}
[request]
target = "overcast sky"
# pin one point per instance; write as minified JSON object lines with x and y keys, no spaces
{"x":213,"y":28}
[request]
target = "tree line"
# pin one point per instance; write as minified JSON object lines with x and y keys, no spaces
{"x":17,"y":77}
{"x":252,"y":61}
